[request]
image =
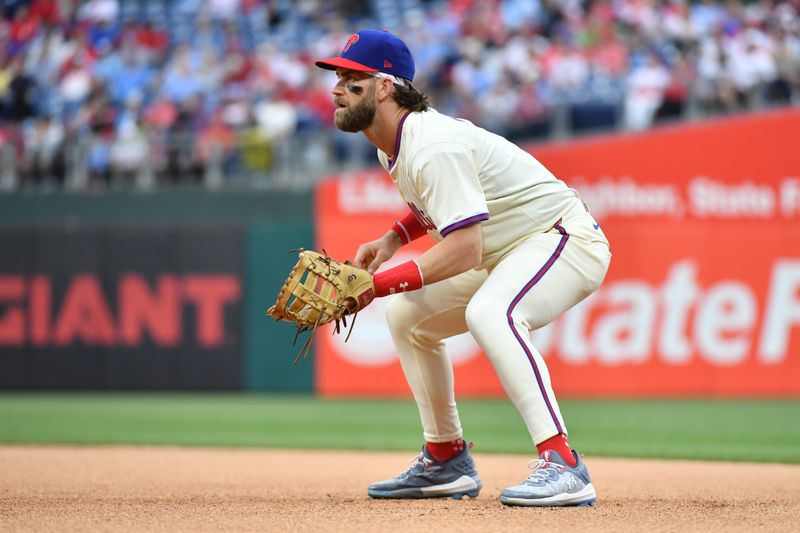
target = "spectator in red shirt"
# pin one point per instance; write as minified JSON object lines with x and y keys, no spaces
{"x":23,"y":28}
{"x":48,"y":11}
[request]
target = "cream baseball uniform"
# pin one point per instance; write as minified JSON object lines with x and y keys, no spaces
{"x":542,"y":254}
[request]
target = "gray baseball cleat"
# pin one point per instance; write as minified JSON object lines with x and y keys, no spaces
{"x":430,"y":478}
{"x":553,"y":484}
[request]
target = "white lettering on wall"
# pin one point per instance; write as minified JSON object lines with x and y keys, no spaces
{"x":678,"y":295}
{"x":710,"y":198}
{"x":782,"y":311}
{"x":359,"y":195}
{"x":679,"y":320}
{"x":625,"y":197}
{"x":624,"y":333}
{"x":724,"y":324}
{"x":704,"y":197}
{"x":633,"y":321}
{"x":574,"y":346}
{"x":790,"y":197}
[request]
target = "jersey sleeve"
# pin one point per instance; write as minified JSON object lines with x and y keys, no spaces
{"x":447,"y":183}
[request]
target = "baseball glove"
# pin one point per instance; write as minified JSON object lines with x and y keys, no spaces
{"x":320,"y":290}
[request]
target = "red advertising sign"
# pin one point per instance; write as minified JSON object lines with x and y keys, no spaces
{"x":703,"y":293}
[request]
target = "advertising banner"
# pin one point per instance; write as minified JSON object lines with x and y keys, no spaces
{"x":703,"y":293}
{"x":119,"y":308}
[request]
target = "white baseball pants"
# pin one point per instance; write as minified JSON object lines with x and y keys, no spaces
{"x":532,"y":285}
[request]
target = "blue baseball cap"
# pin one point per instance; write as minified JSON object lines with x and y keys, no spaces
{"x":373,"y":51}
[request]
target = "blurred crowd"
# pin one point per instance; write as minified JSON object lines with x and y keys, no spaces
{"x":113,"y":93}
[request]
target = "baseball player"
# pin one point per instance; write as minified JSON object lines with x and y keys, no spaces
{"x":515,"y":248}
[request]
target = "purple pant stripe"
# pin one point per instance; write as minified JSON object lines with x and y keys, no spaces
{"x":550,"y":262}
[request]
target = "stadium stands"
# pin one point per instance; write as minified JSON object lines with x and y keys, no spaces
{"x":104,"y":94}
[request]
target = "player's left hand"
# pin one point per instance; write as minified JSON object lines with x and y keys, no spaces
{"x":320,"y":290}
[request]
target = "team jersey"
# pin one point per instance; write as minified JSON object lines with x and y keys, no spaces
{"x":453,"y":174}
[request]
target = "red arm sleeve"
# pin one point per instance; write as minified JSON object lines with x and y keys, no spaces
{"x":409,"y":228}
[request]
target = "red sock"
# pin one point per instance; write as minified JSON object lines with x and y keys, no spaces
{"x":444,"y":451}
{"x":559,"y":444}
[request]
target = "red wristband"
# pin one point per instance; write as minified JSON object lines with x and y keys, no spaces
{"x":405,"y":277}
{"x":409,"y":228}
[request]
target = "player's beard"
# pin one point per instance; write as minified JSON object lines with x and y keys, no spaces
{"x":358,"y":117}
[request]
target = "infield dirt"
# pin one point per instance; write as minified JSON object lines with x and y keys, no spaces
{"x":194,"y":489}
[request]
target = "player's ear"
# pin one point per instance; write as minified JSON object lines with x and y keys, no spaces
{"x":385,"y":89}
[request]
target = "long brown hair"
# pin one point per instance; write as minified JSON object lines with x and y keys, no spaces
{"x":408,"y":96}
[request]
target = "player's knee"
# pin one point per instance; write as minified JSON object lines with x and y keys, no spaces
{"x":482,"y":320}
{"x":400,"y":314}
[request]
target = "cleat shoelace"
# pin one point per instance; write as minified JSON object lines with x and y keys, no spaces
{"x":543,"y":470}
{"x":417,"y":465}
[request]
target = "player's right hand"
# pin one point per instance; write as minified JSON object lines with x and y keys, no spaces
{"x":371,"y":255}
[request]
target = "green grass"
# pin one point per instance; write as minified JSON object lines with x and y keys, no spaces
{"x":692,"y":429}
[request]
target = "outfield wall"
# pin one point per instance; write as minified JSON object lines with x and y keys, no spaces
{"x":120,"y":308}
{"x":703,"y":293}
{"x":168,"y":291}
{"x":148,"y":292}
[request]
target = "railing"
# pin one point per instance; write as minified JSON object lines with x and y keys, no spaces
{"x":292,"y":163}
